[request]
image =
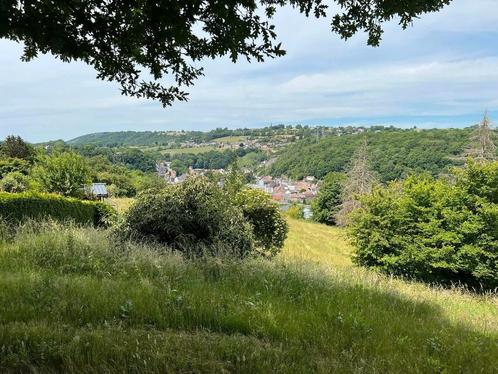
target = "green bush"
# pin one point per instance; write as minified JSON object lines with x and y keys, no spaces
{"x":195,"y":217}
{"x":14,"y":182}
{"x":10,"y":165}
{"x":19,"y":207}
{"x":269,"y":226}
{"x":295,"y":211}
{"x":433,"y":229}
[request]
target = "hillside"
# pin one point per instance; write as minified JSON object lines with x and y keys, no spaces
{"x":219,"y":135}
{"x":393,"y":154}
{"x":132,"y":138}
{"x":85,"y":305}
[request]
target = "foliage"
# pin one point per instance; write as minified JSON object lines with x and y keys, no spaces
{"x":22,"y":206}
{"x":64,"y":174}
{"x":76,"y":301}
{"x":295,"y":211}
{"x":132,"y":158}
{"x":432,"y":229}
{"x":138,"y":43}
{"x":327,"y":202}
{"x":16,"y":147}
{"x":121,"y":181}
{"x":14,"y":182}
{"x":394,"y":153}
{"x":211,"y":159}
{"x":174,"y":139}
{"x":11,"y":165}
{"x":195,"y":217}
{"x":269,"y":227}
{"x":234,"y":180}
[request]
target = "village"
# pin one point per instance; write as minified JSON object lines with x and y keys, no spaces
{"x":283,"y":190}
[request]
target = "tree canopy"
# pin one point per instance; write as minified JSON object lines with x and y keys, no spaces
{"x":137,"y":43}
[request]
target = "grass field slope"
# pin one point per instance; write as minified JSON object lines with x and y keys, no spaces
{"x":73,"y":300}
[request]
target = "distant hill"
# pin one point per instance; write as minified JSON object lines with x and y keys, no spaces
{"x":163,"y":138}
{"x":393,"y":153}
{"x":134,"y":138}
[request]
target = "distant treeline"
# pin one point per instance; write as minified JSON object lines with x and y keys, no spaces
{"x":393,"y":154}
{"x":216,"y":159}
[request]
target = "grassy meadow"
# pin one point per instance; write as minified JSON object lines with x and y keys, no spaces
{"x":76,"y":300}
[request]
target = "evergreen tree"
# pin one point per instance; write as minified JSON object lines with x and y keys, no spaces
{"x":360,"y":180}
{"x":327,"y":202}
{"x":16,"y":147}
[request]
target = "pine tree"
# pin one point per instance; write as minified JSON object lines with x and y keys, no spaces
{"x":360,"y":180}
{"x":481,"y":148}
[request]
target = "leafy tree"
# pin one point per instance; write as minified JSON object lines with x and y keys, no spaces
{"x":327,"y":202}
{"x":16,"y":147}
{"x":128,"y":41}
{"x":431,"y":229}
{"x":63,"y":174}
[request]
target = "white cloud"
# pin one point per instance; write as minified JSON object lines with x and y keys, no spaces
{"x":443,"y":66}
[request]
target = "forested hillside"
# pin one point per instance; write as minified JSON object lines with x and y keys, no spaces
{"x":123,"y":138}
{"x":393,"y":154}
{"x":163,"y":138}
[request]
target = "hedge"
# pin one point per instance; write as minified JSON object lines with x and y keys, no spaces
{"x":16,"y":207}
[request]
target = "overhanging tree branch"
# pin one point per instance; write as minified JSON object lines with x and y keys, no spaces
{"x":137,"y":43}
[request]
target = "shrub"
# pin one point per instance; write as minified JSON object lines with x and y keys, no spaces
{"x":295,"y":211}
{"x":433,"y":229}
{"x":16,"y":208}
{"x":269,"y":227}
{"x":194,"y":217}
{"x":14,"y":182}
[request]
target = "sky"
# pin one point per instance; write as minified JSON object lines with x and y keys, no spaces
{"x":441,"y":72}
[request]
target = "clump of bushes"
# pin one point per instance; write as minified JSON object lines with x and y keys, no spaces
{"x":433,"y":229}
{"x":14,"y":182}
{"x":269,"y":226}
{"x":19,"y":207}
{"x":198,"y":217}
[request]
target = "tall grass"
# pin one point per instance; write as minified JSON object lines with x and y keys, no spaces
{"x":73,"y":300}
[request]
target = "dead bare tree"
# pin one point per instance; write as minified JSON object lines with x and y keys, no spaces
{"x":359,"y":181}
{"x":481,"y":148}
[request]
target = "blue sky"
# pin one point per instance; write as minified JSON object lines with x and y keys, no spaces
{"x":442,"y":72}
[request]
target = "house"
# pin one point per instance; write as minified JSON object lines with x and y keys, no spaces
{"x":98,"y":190}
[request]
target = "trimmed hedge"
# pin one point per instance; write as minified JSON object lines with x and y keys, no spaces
{"x":16,"y":207}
